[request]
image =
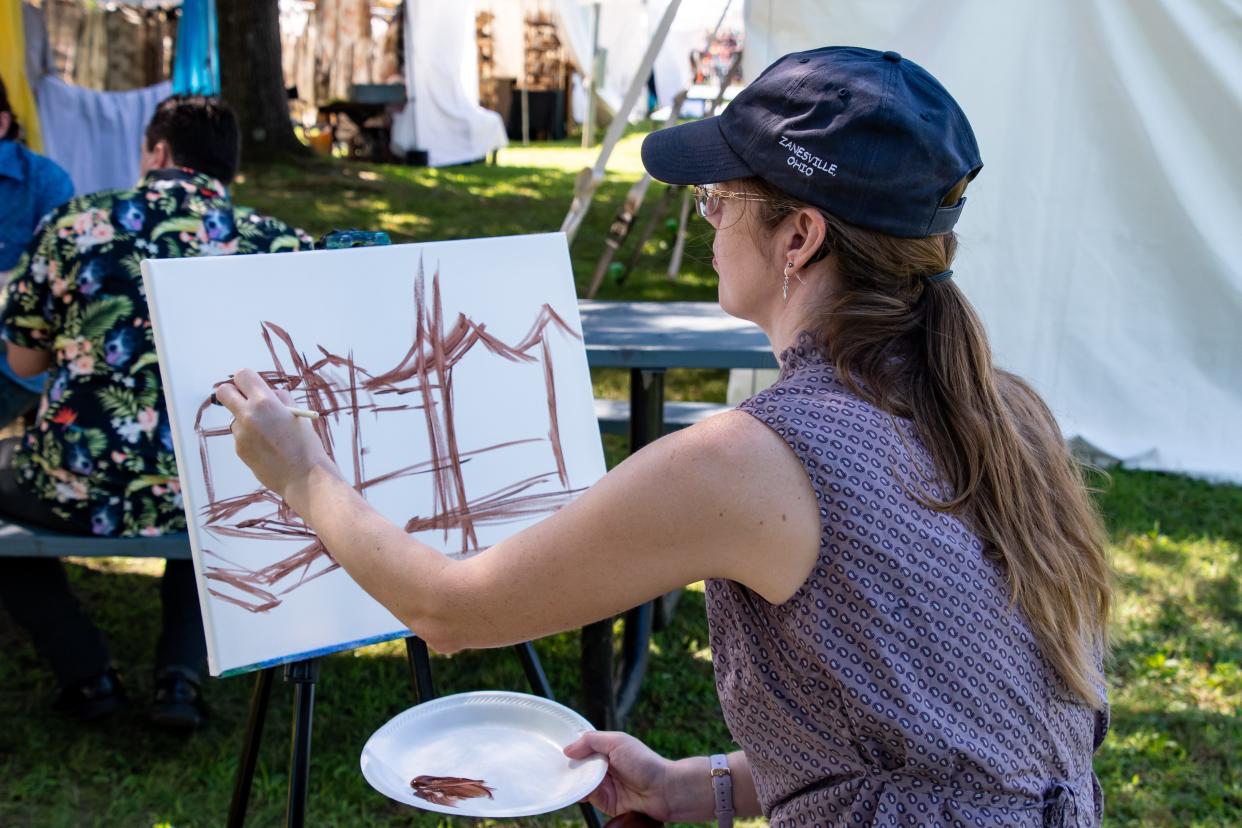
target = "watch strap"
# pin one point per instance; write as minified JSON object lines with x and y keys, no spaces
{"x":722,"y":787}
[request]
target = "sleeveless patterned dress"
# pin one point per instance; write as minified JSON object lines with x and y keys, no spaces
{"x":896,"y":687}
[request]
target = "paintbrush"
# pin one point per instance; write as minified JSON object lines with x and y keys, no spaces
{"x":295,"y":411}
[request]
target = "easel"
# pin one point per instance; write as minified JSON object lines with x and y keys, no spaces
{"x":303,"y":675}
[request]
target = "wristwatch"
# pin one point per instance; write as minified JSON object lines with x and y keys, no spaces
{"x":722,"y":785}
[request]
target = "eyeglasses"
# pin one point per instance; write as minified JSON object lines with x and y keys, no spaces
{"x":707,"y":198}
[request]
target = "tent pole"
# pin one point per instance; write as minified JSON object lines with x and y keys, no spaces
{"x":588,"y":126}
{"x":590,"y":177}
{"x":525,"y":116}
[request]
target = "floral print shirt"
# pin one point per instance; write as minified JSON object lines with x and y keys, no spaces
{"x":100,"y":451}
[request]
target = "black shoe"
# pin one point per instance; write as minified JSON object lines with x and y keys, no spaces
{"x":178,"y":703}
{"x":92,"y":698}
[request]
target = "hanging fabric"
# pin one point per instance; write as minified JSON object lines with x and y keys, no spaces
{"x":443,"y":115}
{"x":13,"y":71}
{"x":196,"y":67}
{"x":97,"y":136}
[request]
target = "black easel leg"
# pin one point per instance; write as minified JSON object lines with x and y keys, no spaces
{"x":250,"y":748}
{"x":608,"y":694}
{"x":539,"y":686}
{"x":420,"y":668}
{"x":598,"y":694}
{"x":534,"y":670}
{"x":635,"y":655}
{"x":302,"y":675}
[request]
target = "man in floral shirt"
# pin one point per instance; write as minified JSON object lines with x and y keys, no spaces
{"x":99,"y":458}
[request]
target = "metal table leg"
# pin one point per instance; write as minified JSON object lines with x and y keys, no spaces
{"x":611,"y":686}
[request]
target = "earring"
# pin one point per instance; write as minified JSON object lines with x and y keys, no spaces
{"x":785,"y":285}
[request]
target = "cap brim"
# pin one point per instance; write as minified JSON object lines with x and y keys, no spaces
{"x":692,"y":153}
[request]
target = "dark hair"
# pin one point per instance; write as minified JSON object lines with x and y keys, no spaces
{"x":918,"y":350}
{"x":201,"y":132}
{"x":14,"y":126}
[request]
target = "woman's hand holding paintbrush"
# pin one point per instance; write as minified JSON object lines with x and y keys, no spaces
{"x":294,"y":410}
{"x":277,"y":447}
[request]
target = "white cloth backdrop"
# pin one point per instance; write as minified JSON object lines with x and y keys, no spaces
{"x":1103,"y":239}
{"x":626,"y":27}
{"x":442,"y":83}
{"x":624,"y":31}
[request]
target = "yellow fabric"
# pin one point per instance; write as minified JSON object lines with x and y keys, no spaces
{"x":13,"y":70}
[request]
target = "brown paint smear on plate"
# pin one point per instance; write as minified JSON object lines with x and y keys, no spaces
{"x":448,"y":790}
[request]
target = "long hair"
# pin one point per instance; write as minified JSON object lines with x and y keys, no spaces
{"x":15,"y":129}
{"x":918,"y":351}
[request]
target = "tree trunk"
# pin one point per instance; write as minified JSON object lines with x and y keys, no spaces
{"x":251,"y":78}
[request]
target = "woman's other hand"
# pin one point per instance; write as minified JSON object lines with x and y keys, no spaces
{"x":278,"y":447}
{"x":637,"y":775}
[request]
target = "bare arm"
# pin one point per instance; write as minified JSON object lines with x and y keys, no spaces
{"x":27,"y":362}
{"x":726,"y":499}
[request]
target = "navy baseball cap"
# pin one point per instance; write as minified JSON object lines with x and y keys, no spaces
{"x":869,"y":136}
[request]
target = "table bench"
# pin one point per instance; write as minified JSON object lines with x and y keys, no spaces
{"x":614,"y":415}
{"x":22,"y":540}
{"x":19,"y":540}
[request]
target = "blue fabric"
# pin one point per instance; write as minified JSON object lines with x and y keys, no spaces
{"x":196,"y":67}
{"x":30,"y":187}
{"x":8,"y":378}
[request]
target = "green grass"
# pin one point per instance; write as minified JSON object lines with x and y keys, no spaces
{"x":528,"y":191}
{"x":1174,"y":756}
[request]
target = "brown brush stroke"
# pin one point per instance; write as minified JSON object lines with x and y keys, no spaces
{"x":501,"y":506}
{"x":255,"y":608}
{"x":425,"y":369}
{"x":357,"y":429}
{"x":239,"y":582}
{"x":554,"y":429}
{"x":425,"y":466}
{"x":203,"y":434}
{"x":306,"y":579}
{"x":452,"y":473}
{"x":382,"y":410}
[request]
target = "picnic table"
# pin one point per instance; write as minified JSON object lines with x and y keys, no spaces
{"x":649,"y":338}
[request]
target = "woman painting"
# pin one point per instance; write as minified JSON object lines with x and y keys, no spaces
{"x":906,"y":581}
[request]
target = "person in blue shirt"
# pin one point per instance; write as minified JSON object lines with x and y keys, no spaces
{"x":30,"y":187}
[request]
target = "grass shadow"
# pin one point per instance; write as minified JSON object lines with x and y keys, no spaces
{"x":1181,"y":508}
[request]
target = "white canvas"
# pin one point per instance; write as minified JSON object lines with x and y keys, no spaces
{"x":358,"y":338}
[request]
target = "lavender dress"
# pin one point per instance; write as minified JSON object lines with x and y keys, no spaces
{"x":896,"y":687}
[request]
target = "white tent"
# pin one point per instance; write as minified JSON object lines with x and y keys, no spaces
{"x":627,"y":26}
{"x":625,"y":29}
{"x":443,"y":115}
{"x":1103,"y":239}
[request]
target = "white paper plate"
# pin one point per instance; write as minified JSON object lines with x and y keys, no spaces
{"x":511,"y":741}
